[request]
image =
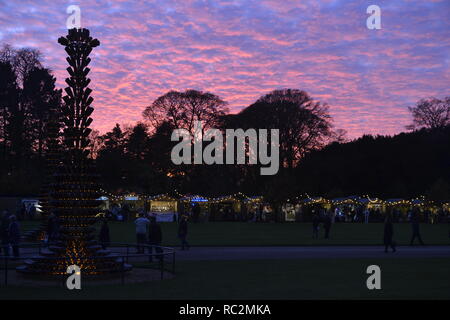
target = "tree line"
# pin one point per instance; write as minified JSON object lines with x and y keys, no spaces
{"x":315,"y":157}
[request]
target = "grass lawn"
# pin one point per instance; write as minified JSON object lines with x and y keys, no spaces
{"x":282,"y":234}
{"x":277,"y":234}
{"x":273,"y":279}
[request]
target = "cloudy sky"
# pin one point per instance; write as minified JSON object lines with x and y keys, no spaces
{"x":242,"y":49}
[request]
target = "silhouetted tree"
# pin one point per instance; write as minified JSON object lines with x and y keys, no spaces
{"x":9,"y":94}
{"x":22,"y":60}
{"x":304,"y":124}
{"x":95,"y":144}
{"x":40,"y":95}
{"x":111,"y":159}
{"x":137,"y":142}
{"x":430,"y":113}
{"x":405,"y":165}
{"x":181,"y":109}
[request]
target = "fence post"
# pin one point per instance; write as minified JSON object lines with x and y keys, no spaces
{"x":173,"y":262}
{"x":123,"y":270}
{"x":162,"y":267}
{"x":6,"y":271}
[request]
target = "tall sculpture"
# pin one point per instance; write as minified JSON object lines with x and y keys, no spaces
{"x":74,"y":188}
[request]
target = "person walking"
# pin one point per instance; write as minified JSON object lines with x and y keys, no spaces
{"x":14,"y":235}
{"x":141,"y":232}
{"x":366,"y":215}
{"x":327,"y":225}
{"x":104,"y":234}
{"x":315,"y":225}
{"x":182,"y":233}
{"x":32,"y":212}
{"x":4,"y":232}
{"x":196,"y":212}
{"x":388,"y":234}
{"x":415,"y":228}
{"x":52,"y":228}
{"x":154,"y":238}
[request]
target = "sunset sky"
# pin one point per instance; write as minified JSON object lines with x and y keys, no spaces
{"x":241,"y":50}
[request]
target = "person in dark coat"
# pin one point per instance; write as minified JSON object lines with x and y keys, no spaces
{"x":182,"y":232}
{"x":415,"y":228}
{"x":32,"y":212}
{"x":196,"y":212}
{"x":22,"y":212}
{"x":315,"y":225}
{"x":14,"y":235}
{"x":327,"y":225}
{"x":52,"y":228}
{"x":4,"y":232}
{"x":388,"y":234}
{"x":104,"y":234}
{"x":154,"y":238}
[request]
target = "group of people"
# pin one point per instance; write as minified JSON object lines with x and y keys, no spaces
{"x":388,"y":236}
{"x":10,"y":234}
{"x":27,"y":210}
{"x":53,"y":228}
{"x":148,"y":231}
{"x":118,"y":213}
{"x":324,"y":218}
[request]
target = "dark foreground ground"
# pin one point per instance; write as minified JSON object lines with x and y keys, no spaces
{"x":307,"y":278}
{"x":228,"y":261}
{"x":278,"y":234}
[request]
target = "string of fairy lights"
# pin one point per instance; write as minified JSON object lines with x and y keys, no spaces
{"x":305,"y":199}
{"x":365,"y":200}
{"x":176,"y":196}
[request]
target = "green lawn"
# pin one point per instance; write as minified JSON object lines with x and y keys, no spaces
{"x":277,"y":234}
{"x":282,"y":234}
{"x":273,"y":279}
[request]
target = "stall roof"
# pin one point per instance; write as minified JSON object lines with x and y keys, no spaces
{"x":346,"y":199}
{"x":162,"y":197}
{"x":314,"y":200}
{"x":194,"y":198}
{"x":131,"y":198}
{"x":367,"y":200}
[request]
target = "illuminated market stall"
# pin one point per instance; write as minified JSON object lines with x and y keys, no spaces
{"x":195,"y":206}
{"x":313,"y":205}
{"x":163,"y":207}
{"x":236,"y":207}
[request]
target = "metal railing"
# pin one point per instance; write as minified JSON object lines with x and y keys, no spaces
{"x":123,"y":253}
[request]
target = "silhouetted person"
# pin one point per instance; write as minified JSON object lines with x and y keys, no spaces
{"x":125,"y":212}
{"x":182,"y":232}
{"x":196,"y":212}
{"x":141,"y":232}
{"x":415,"y":229}
{"x":154,"y":237}
{"x":32,"y":212}
{"x":104,"y":234}
{"x":14,"y":235}
{"x":22,"y":211}
{"x":4,"y":232}
{"x":327,"y":225}
{"x":388,"y":234}
{"x":52,"y":227}
{"x":315,"y":225}
{"x":448,"y":221}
